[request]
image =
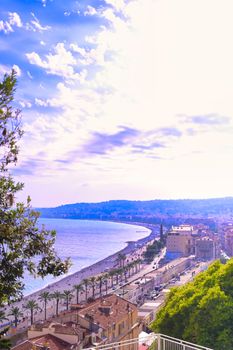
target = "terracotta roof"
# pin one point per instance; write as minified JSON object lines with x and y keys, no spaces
{"x":107,"y":310}
{"x":52,"y":342}
{"x":71,"y":328}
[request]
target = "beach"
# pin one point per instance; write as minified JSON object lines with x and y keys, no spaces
{"x":133,"y":250}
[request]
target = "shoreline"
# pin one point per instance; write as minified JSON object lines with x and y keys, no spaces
{"x":110,"y":260}
{"x":132,"y":249}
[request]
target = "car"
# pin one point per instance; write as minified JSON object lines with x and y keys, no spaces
{"x":137,"y":282}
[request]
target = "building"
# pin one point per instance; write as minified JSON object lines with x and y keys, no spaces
{"x":206,"y":248}
{"x":229,"y":241}
{"x":108,"y":319}
{"x":50,"y":336}
{"x":116,"y":317}
{"x":180,"y":241}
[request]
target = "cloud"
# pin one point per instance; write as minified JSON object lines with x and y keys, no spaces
{"x":14,"y":20}
{"x":209,"y":119}
{"x":169,"y":131}
{"x":149,"y":147}
{"x":35,"y":26}
{"x":25,"y":104}
{"x":90,"y":11}
{"x":28,"y":167}
{"x":61,"y":63}
{"x":102,"y":143}
{"x":41,"y":103}
{"x":6,"y":69}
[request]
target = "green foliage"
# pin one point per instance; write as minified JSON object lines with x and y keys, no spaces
{"x":201,"y":311}
{"x":16,"y":312}
{"x":22,"y":244}
{"x":32,"y":306}
{"x":153,"y":249}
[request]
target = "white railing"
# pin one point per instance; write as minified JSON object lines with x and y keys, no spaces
{"x":159,"y":341}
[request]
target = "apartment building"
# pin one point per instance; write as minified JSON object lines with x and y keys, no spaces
{"x":116,"y":317}
{"x":228,"y":240}
{"x":180,"y":241}
{"x":206,"y":248}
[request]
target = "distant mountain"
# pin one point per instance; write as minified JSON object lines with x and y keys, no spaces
{"x":147,"y":211}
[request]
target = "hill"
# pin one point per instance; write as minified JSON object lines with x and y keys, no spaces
{"x":151,"y":211}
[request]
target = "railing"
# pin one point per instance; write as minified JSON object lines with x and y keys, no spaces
{"x":157,"y":341}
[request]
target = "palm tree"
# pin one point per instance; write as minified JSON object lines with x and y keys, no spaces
{"x":2,"y":317}
{"x":32,"y":306}
{"x":100,"y":279}
{"x":121,"y":259}
{"x":86,"y":283}
{"x":106,"y":282}
{"x":57,"y":296}
{"x":111,"y":274}
{"x":93,"y":284}
{"x":67,"y":295}
{"x":126,"y":269}
{"x":45,"y":297}
{"x":78,"y":288}
{"x":16,"y":312}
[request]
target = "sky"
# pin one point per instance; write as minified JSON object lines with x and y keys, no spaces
{"x":121,"y":99}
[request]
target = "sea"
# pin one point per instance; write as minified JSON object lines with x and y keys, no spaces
{"x":85,"y":242}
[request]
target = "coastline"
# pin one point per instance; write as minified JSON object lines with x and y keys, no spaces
{"x":99,"y":266}
{"x":132,"y":249}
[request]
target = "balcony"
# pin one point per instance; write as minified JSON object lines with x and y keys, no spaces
{"x":156,"y":341}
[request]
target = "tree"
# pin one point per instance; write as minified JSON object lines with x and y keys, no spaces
{"x":78,"y":288}
{"x":106,"y":282}
{"x":57,"y":296}
{"x":201,"y":311}
{"x":100,"y":279}
{"x":112,"y":273}
{"x":2,"y":317}
{"x":16,"y":312}
{"x":45,"y":297}
{"x":67,"y":295}
{"x":20,"y":238}
{"x":4,"y":343}
{"x":86,"y":283}
{"x":32,"y":306}
{"x":121,"y":259}
{"x":93,"y":284}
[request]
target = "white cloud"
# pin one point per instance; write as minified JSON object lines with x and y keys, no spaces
{"x":17,"y":70}
{"x":118,"y":5}
{"x":35,"y":25}
{"x":157,"y":62}
{"x":60,"y":63}
{"x":90,"y":11}
{"x":25,"y":104}
{"x":15,"y":20}
{"x":7,"y":69}
{"x":5,"y":27}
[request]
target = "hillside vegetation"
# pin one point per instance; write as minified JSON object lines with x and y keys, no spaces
{"x":202,"y":310}
{"x":137,"y":210}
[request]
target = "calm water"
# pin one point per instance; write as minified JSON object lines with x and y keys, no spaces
{"x":86,"y":242}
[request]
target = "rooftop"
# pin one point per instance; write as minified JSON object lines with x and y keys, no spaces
{"x":46,"y":341}
{"x":107,"y":310}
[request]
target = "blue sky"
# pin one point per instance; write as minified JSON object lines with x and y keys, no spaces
{"x":121,"y":99}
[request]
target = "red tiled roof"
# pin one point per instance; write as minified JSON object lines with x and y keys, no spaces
{"x":107,"y":310}
{"x":49,"y":340}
